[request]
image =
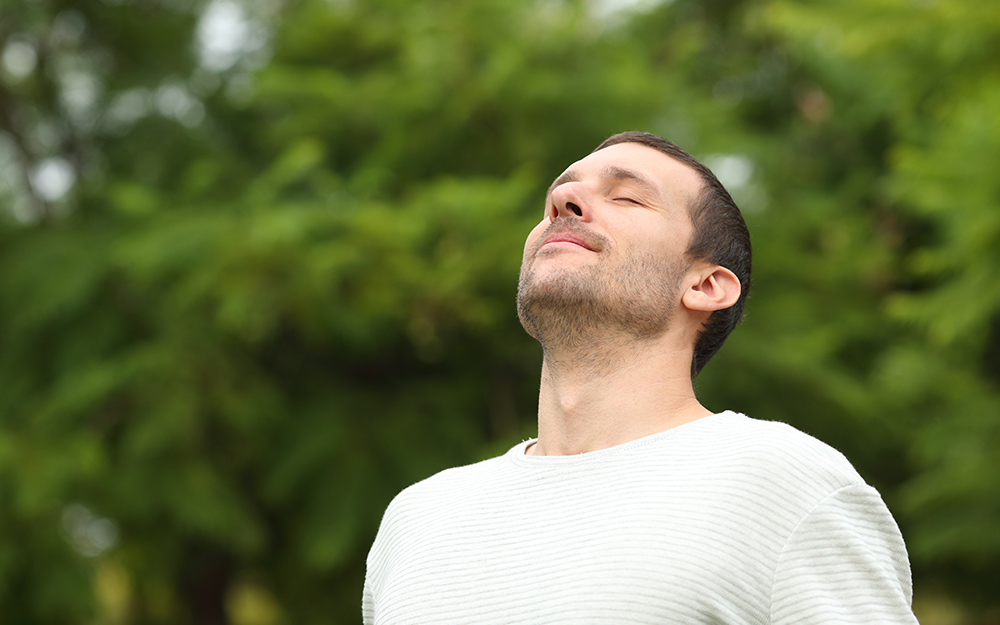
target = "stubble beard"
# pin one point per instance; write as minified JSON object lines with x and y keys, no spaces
{"x":576,"y":308}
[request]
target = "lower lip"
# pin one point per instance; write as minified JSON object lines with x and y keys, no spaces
{"x":565,"y":244}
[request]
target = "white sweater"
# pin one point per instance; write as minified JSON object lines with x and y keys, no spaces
{"x":725,"y":519}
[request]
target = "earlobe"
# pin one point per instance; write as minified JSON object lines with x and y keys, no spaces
{"x":717,"y":288}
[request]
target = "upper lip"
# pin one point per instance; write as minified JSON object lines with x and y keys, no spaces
{"x":568,"y":237}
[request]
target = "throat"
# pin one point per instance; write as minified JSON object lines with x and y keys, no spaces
{"x":595,"y":398}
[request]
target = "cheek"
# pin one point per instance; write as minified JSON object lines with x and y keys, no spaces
{"x":534,"y":234}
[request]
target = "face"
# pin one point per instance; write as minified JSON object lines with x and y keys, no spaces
{"x":610,"y":251}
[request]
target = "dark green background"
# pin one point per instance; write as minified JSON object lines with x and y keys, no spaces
{"x":280,"y":287}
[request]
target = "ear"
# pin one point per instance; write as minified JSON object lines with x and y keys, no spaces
{"x":715,"y":288}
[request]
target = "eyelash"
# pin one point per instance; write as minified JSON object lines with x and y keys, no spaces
{"x":625,"y":199}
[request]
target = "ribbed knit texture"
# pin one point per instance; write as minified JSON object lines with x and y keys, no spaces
{"x":726,"y":519}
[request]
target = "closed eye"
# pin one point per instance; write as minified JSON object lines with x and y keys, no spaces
{"x":627,"y":199}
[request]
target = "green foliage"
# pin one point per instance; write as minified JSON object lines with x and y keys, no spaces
{"x":931,"y":86}
{"x":278,"y":285}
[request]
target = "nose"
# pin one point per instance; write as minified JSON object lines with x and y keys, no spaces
{"x":569,"y":200}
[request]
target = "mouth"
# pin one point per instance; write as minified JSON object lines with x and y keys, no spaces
{"x":566,"y":237}
{"x":567,"y":234}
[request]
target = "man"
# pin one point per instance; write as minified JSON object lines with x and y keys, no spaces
{"x":636,"y":504}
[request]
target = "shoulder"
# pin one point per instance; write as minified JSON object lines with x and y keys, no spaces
{"x":430,"y":503}
{"x":438,"y":491}
{"x":788,"y":447}
{"x":779,"y":459}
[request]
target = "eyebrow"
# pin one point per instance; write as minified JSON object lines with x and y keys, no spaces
{"x":612,"y":172}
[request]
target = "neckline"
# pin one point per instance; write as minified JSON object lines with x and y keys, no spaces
{"x":517,"y":455}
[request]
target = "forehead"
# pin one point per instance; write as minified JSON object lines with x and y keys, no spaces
{"x":671,"y":179}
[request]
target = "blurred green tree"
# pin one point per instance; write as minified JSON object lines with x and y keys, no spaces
{"x":924,"y":77}
{"x":270,"y":281}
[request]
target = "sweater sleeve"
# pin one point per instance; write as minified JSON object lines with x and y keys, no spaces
{"x":844,"y":564}
{"x":367,"y":605}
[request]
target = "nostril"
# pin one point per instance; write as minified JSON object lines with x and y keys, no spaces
{"x":576,"y":209}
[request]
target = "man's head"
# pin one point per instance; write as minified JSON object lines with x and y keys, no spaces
{"x":633,"y":233}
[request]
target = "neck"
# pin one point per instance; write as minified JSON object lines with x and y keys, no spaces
{"x":613,"y":392}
